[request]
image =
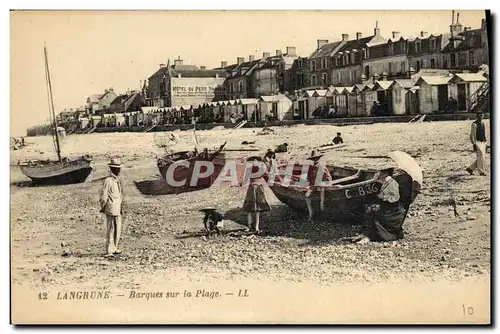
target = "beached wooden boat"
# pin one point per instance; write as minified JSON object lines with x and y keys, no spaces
{"x":55,"y":172}
{"x":63,"y":170}
{"x":217,"y":157}
{"x":347,"y":194}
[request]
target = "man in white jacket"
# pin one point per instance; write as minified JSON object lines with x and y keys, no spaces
{"x":111,"y":199}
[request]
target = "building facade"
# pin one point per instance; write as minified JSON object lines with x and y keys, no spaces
{"x":180,"y":85}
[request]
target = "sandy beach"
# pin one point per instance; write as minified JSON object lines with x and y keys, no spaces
{"x":57,"y":233}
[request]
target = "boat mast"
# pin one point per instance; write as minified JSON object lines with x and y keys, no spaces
{"x":51,"y":106}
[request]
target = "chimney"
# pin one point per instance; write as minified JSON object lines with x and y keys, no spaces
{"x":376,"y":30}
{"x":278,"y":52}
{"x":111,"y":89}
{"x":178,"y":61}
{"x":345,"y":37}
{"x":203,"y":68}
{"x":266,"y":54}
{"x":223,"y":64}
{"x":395,"y":34}
{"x":423,"y":34}
{"x":240,"y":60}
{"x":358,"y":35}
{"x":290,"y":50}
{"x":321,"y":42}
{"x":251,"y":58}
{"x":162,"y":65}
{"x":375,"y":77}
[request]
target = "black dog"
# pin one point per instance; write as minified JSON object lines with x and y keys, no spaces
{"x":211,"y":220}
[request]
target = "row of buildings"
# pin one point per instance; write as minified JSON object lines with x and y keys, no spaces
{"x":353,"y":60}
{"x":346,"y":62}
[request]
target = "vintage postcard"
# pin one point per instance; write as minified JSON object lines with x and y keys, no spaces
{"x":250,"y":167}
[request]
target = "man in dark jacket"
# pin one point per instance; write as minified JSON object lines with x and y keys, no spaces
{"x":478,"y":140}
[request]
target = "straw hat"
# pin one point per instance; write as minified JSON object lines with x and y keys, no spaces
{"x":254,"y":158}
{"x":115,"y":162}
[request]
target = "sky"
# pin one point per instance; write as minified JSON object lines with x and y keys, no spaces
{"x":90,"y":51}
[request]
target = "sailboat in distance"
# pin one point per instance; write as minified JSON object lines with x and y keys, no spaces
{"x":63,"y":170}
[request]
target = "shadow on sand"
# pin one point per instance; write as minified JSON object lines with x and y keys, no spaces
{"x":283,"y":222}
{"x":161,"y":187}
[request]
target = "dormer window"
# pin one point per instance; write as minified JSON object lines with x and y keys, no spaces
{"x":336,"y":61}
{"x":418,"y":47}
{"x":433,"y":44}
{"x":323,"y":63}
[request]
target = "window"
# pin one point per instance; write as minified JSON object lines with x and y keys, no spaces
{"x":323,"y":78}
{"x":418,"y":47}
{"x":338,"y":77}
{"x":313,"y":65}
{"x":433,"y":44}
{"x":403,"y":47}
{"x":403,"y":67}
{"x":472,"y":58}
{"x":231,"y":87}
{"x":272,"y":87}
{"x":391,"y":49}
{"x":350,"y":76}
{"x":300,"y":63}
{"x":418,"y":66}
{"x":390,"y":68}
{"x":323,"y":63}
{"x":346,"y":59}
{"x":313,"y":80}
{"x":453,"y":60}
{"x":433,"y":63}
{"x":240,"y":86}
{"x":367,"y":71}
{"x":336,"y":61}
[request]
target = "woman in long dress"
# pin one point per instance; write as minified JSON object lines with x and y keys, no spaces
{"x":255,"y":199}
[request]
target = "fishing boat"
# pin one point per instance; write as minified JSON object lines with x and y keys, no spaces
{"x":349,"y":190}
{"x":181,"y":172}
{"x":63,"y":170}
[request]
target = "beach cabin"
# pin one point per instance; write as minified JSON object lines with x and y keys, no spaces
{"x":433,"y":93}
{"x":357,"y":91}
{"x":463,"y":86}
{"x":351,"y":101}
{"x":301,"y":105}
{"x":278,"y":107}
{"x":404,"y":98}
{"x":384,"y":95}
{"x":248,"y":107}
{"x":340,"y":101}
{"x":369,"y":96}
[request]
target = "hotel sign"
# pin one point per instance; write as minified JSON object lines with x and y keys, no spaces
{"x":193,"y":91}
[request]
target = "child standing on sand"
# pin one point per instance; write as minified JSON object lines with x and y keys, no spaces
{"x":255,"y":199}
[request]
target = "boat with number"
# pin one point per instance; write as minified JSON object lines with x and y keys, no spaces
{"x":63,"y":170}
{"x":346,"y":194}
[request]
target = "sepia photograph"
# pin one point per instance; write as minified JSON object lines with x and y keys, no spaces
{"x":250,"y":167}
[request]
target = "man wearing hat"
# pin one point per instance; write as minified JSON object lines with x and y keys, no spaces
{"x":478,"y":140}
{"x":311,"y":179}
{"x":111,"y":205}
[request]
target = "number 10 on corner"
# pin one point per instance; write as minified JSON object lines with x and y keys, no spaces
{"x":243,"y":293}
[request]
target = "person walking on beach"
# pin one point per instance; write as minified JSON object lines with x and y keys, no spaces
{"x":311,"y":179}
{"x":255,"y":199}
{"x":111,"y":199}
{"x":478,"y":140}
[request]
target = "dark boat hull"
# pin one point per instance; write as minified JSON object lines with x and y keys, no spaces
{"x":56,"y":173}
{"x":182,"y":173}
{"x":343,"y":201}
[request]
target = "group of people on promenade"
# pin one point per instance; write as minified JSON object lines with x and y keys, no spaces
{"x":385,"y":215}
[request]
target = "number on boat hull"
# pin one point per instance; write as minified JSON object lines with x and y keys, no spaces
{"x":368,"y":189}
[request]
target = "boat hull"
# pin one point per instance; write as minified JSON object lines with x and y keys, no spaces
{"x":56,"y":173}
{"x":343,"y":201}
{"x":185,"y":175}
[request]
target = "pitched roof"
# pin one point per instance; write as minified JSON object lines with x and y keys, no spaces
{"x":433,"y":80}
{"x":405,"y":83}
{"x":326,"y":50}
{"x":274,"y":98}
{"x":198,"y":73}
{"x":95,"y":98}
{"x":471,"y":39}
{"x":470,"y":77}
{"x":248,"y":101}
{"x":384,"y":84}
{"x":320,"y":92}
